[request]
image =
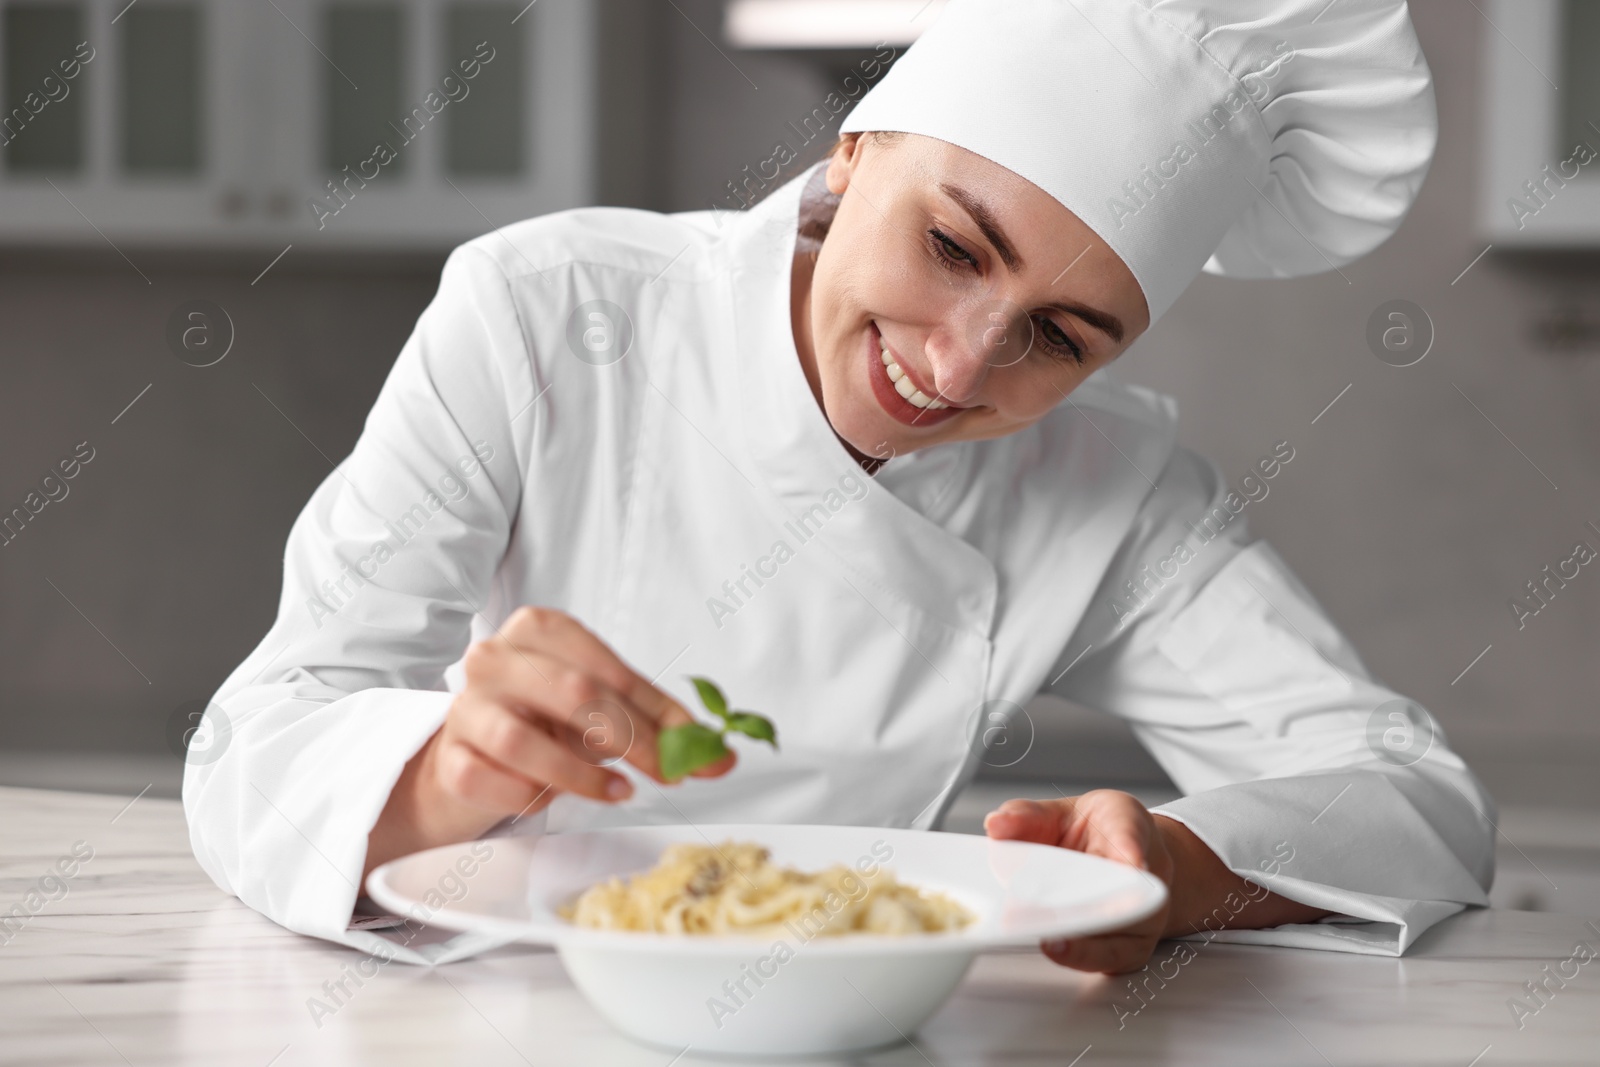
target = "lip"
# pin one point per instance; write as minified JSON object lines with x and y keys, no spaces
{"x":897,"y":406}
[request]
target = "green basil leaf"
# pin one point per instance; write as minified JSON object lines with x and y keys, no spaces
{"x":687,"y":748}
{"x":753,"y":725}
{"x":711,"y":697}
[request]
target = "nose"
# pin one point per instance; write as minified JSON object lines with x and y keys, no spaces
{"x":965,"y":348}
{"x":958,"y":370}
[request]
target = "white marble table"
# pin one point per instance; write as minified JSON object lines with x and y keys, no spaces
{"x":143,"y":961}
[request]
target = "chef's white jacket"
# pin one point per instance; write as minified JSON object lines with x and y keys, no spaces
{"x":664,"y":474}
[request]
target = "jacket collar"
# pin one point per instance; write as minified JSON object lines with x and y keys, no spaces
{"x":880,"y":539}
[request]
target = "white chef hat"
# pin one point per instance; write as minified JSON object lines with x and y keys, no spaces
{"x":1254,"y":139}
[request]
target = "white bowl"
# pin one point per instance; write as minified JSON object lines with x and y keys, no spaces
{"x":747,"y":995}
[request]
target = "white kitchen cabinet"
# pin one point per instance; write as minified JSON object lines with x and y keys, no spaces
{"x":1539,"y":184}
{"x":327,"y":123}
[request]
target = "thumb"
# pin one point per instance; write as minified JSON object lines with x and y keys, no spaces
{"x":1025,"y":820}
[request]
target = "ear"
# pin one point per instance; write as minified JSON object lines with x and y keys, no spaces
{"x":842,"y":164}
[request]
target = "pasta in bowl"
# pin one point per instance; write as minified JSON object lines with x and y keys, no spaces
{"x":757,"y":940}
{"x":735,"y":888}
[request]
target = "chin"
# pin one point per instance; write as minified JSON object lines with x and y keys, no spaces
{"x":858,"y":428}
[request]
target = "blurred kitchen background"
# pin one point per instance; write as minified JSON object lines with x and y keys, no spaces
{"x":184,"y":299}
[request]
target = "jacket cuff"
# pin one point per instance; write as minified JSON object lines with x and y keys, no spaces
{"x":1264,"y":832}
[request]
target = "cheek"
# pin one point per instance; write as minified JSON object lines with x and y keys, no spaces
{"x":843,"y":299}
{"x":874,"y":272}
{"x":1032,"y":389}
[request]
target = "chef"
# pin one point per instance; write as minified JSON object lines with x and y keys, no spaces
{"x":857,"y":454}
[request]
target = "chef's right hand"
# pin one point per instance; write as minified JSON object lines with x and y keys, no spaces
{"x":547,"y":708}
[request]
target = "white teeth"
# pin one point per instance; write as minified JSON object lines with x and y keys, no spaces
{"x":902,"y":384}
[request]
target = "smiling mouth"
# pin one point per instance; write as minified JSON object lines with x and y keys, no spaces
{"x":903,"y":383}
{"x":897,"y":392}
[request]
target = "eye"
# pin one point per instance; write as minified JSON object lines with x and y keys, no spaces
{"x":1057,"y":341}
{"x":949,"y":254}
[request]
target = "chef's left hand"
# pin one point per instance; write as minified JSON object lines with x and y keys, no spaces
{"x":1115,"y":826}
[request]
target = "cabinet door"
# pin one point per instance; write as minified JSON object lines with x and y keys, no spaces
{"x":339,"y":123}
{"x":1539,"y":183}
{"x":424,"y":122}
{"x":113,"y":119}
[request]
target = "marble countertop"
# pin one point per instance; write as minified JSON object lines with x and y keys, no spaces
{"x":136,"y":958}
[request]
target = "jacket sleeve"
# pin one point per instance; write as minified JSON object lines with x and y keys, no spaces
{"x":1298,"y":769}
{"x":384,"y":569}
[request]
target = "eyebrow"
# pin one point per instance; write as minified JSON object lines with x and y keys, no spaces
{"x":985,"y":220}
{"x":1107,"y":324}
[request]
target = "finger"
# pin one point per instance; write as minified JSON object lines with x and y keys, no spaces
{"x":660,"y":703}
{"x":599,"y":725}
{"x":1115,"y":953}
{"x":560,"y":635}
{"x":603,"y":732}
{"x":509,"y":739}
{"x":1104,"y":823}
{"x":476,"y":780}
{"x":719,"y":768}
{"x":1039,"y":821}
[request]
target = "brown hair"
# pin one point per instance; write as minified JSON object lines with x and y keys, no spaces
{"x":879,"y":137}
